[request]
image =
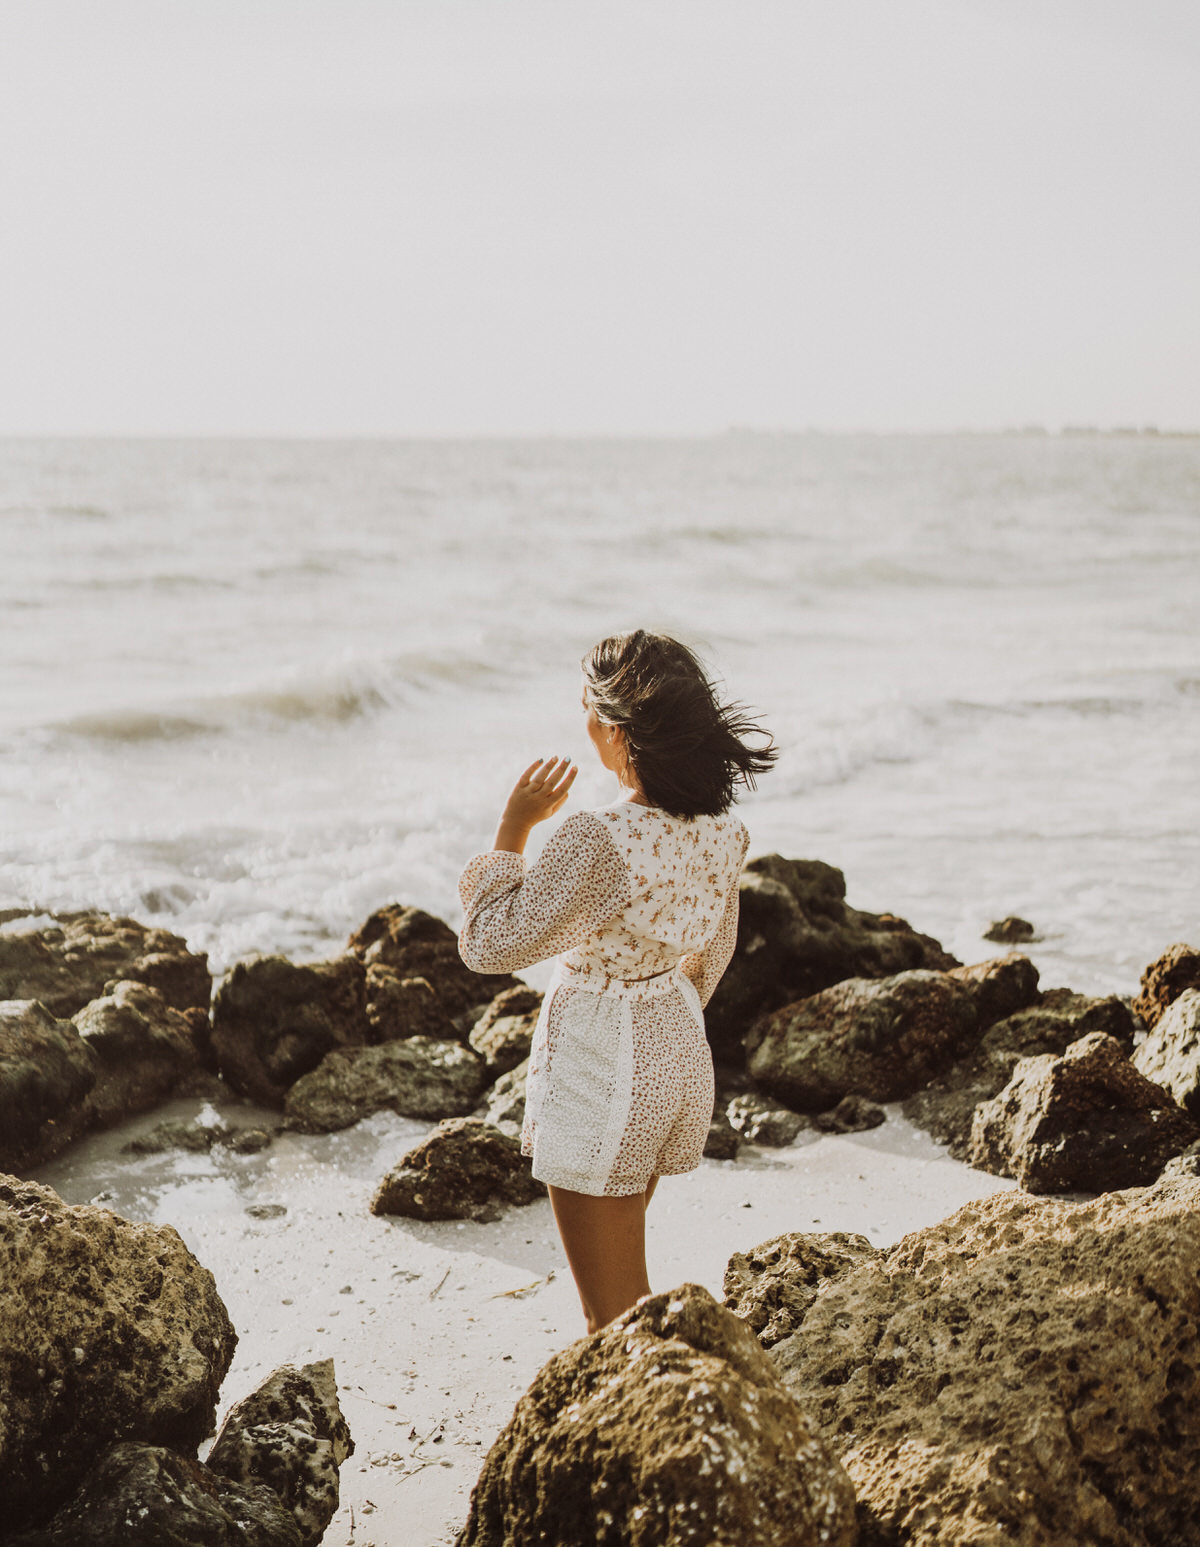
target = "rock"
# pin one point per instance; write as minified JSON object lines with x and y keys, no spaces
{"x":772,"y":1287}
{"x":1185,"y":1164}
{"x":503,"y":1035}
{"x":200,"y":1026}
{"x":1025,"y":1372}
{"x":1170,"y":1055}
{"x":274,"y":1021}
{"x":853,"y":1114}
{"x":1085,"y":1121}
{"x":144,"y":1050}
{"x":505,"y":1106}
{"x":1010,"y":931}
{"x":797,"y":935}
{"x":144,"y":1496}
{"x":464,"y":1169}
{"x":46,"y":1073}
{"x":946,"y":1106}
{"x":1163,"y":981}
{"x":881,"y":1038}
{"x":417,"y":1077}
{"x":417,"y":945}
{"x":723,"y":1140}
{"x":404,"y":1007}
{"x":761,"y":1121}
{"x":290,"y":1435}
{"x":667,"y":1426}
{"x":108,"y":1331}
{"x":70,"y":963}
{"x":197,"y":1137}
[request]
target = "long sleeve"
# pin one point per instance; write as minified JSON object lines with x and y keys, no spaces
{"x":515,"y":916}
{"x":706,"y":967}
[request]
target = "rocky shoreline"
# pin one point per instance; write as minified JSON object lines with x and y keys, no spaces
{"x":826,"y":1014}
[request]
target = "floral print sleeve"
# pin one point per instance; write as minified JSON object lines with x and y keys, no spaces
{"x":707,"y":966}
{"x":516,"y":916}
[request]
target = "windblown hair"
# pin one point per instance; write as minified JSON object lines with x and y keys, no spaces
{"x":686,"y":747}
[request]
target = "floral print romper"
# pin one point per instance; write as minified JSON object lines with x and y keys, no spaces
{"x":641,"y":908}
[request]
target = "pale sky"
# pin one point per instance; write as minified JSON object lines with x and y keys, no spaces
{"x":414,"y":217}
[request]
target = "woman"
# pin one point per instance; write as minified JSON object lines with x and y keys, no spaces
{"x":639,"y":901}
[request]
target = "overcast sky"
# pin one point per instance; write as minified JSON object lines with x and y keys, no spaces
{"x":524,"y":216}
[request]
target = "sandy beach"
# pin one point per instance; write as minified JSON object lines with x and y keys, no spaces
{"x":436,"y":1329}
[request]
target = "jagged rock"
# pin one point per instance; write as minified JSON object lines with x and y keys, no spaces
{"x":108,"y":1331}
{"x":200,"y":1025}
{"x":417,"y":1077}
{"x":723,"y":1140}
{"x":144,"y":1050}
{"x":946,"y":1106}
{"x":1163,"y":981}
{"x":760,"y":1121}
{"x":403,"y":1007}
{"x":772,"y":1287}
{"x":1024,"y":1372}
{"x":796,"y":936}
{"x":853,"y":1114}
{"x":1170,"y":1055}
{"x":503,"y":1035}
{"x":46,"y":1072}
{"x":71,"y":962}
{"x":414,"y":944}
{"x":505,"y":1105}
{"x":464,"y":1169}
{"x":1010,"y":931}
{"x":290,"y":1435}
{"x":881,"y":1038}
{"x":1085,"y":1121}
{"x":144,"y":1496}
{"x":274,"y":1021}
{"x":667,"y":1426}
{"x":1185,"y":1164}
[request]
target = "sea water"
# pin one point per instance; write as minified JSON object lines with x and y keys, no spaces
{"x":251,"y":691}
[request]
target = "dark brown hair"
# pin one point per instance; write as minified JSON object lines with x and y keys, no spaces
{"x":686,"y":747}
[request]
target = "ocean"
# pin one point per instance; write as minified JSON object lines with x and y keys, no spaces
{"x":253,"y":690}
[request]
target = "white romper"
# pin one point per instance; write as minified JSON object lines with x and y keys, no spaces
{"x":643,"y":908}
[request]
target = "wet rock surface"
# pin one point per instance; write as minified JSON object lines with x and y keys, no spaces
{"x":403,"y":1007}
{"x":772,"y":1287}
{"x":464,"y":1169}
{"x":797,"y":935}
{"x":1026,"y":1371}
{"x":760,"y":1120}
{"x":46,"y":1073}
{"x":108,"y":1331}
{"x":416,"y":1077}
{"x":503,"y":1035}
{"x":274,"y":1021}
{"x":69,"y":963}
{"x":197,"y":1137}
{"x":144,"y":1050}
{"x":1177,"y":969}
{"x":290,"y":1435}
{"x":1086,"y":1121}
{"x":946,"y":1106}
{"x":415,"y":944}
{"x":667,"y":1426}
{"x":1170,"y":1055}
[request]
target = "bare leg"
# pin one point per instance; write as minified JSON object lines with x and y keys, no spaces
{"x":605,"y":1243}
{"x":650,"y":1186}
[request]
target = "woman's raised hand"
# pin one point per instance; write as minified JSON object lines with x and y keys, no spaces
{"x":537,"y":794}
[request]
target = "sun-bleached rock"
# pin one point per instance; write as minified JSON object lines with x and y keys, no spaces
{"x":504,"y":1032}
{"x":1170,"y":1055}
{"x":772,"y":1286}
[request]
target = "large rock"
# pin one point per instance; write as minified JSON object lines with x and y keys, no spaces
{"x":762,"y":1121}
{"x":290,"y":1435}
{"x":46,"y":1073}
{"x":667,"y":1426}
{"x":505,"y":1104}
{"x":1170,"y":1055}
{"x":464,"y":1169}
{"x":144,"y":1496}
{"x":108,"y":1331}
{"x":772,"y":1287}
{"x":144,"y":1049}
{"x":274,"y":1021}
{"x":414,"y":944}
{"x":404,"y":1007}
{"x":798,"y":935}
{"x":504,"y":1032}
{"x":1025,"y":1372}
{"x":1177,"y":969}
{"x":881,"y":1038}
{"x":1086,"y":1121}
{"x":69,"y":963}
{"x":416,"y":1077}
{"x":946,"y":1106}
